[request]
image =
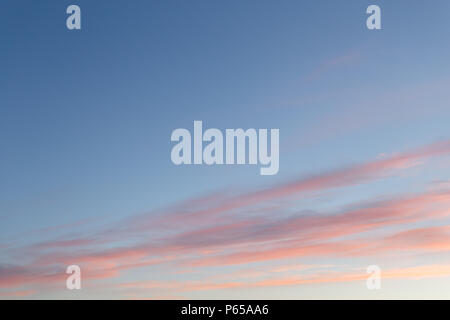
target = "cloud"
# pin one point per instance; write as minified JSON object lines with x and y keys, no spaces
{"x":350,"y":176}
{"x":217,"y":231}
{"x":416,"y":272}
{"x":17,"y":294}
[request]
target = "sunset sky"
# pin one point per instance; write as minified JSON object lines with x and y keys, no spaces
{"x":86,"y":176}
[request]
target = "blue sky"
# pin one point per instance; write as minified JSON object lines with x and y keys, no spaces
{"x":86,"y":116}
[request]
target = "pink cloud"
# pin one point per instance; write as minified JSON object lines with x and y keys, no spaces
{"x":17,"y":294}
{"x":198,"y":235}
{"x":416,"y":272}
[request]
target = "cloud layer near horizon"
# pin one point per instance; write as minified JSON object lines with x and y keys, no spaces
{"x":268,"y":226}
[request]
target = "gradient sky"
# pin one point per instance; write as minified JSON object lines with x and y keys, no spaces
{"x":85,"y":170}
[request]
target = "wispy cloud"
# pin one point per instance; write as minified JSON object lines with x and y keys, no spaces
{"x":217,"y":231}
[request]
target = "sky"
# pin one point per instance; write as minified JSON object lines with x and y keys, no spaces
{"x":86,"y":176}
